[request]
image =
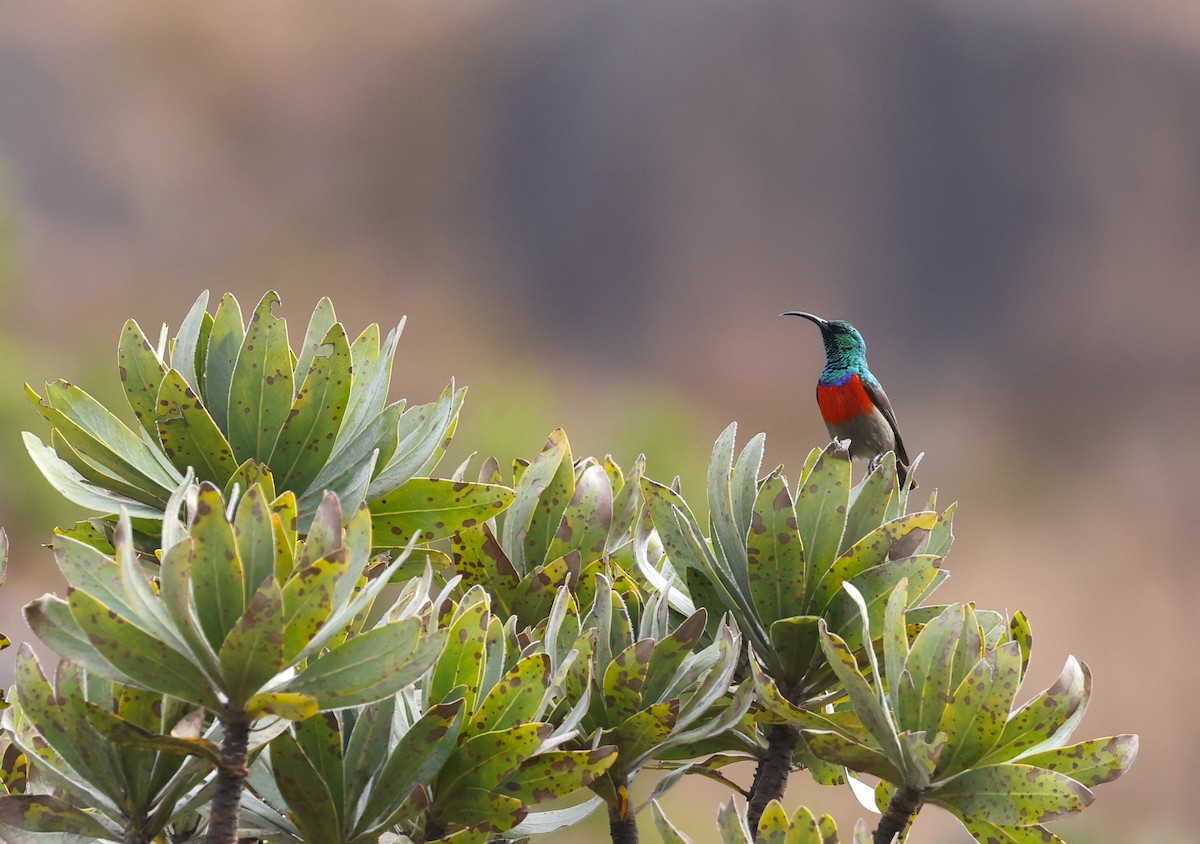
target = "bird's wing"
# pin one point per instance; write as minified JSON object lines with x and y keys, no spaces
{"x":879,"y":397}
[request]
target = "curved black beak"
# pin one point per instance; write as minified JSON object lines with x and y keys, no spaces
{"x":821,"y":323}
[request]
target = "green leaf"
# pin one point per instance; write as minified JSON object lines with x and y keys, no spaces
{"x":434,"y":508}
{"x":622,"y":682}
{"x":224,"y":343}
{"x":776,"y":558}
{"x":308,"y":600}
{"x":45,"y":813}
{"x":128,"y":734}
{"x":418,"y":757}
{"x":319,"y":324}
{"x":255,"y":539}
{"x":537,"y":589}
{"x":726,"y":533}
{"x":189,"y":435}
{"x":667,"y":831}
{"x":186,"y":345}
{"x":141,"y":374}
{"x":869,"y":502}
{"x":73,"y":486}
{"x":669,"y":654}
{"x":288,"y":705}
{"x":487,"y":759}
{"x":743,"y":483}
{"x":422,"y":433}
{"x":929,"y":664}
{"x":840,"y":750}
{"x":462,"y":663}
{"x":1012,"y":795}
{"x":218,"y":594}
{"x":876,"y":584}
{"x":798,"y":645}
{"x":59,"y":716}
{"x":821,"y":512}
{"x":51,"y":621}
{"x":551,"y":502}
{"x":253,"y":651}
{"x":310,"y":802}
{"x":557,"y":773}
{"x":515,"y":699}
{"x":587,"y":518}
{"x":643,"y":731}
{"x":372,"y":378}
{"x":975,"y":714}
{"x":320,"y":737}
{"x":144,"y":659}
{"x":529,"y":488}
{"x":1089,"y":762}
{"x":990,"y":833}
{"x":307,"y":437}
{"x":260,"y":394}
{"x":867,"y":704}
{"x":370,"y":666}
{"x":1046,"y":720}
{"x":889,"y":541}
{"x":98,"y":435}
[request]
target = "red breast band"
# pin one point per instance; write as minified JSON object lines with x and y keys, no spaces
{"x":839,"y":404}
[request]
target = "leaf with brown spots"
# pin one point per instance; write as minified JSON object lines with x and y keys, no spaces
{"x":462,"y":662}
{"x":557,"y":773}
{"x":552,"y":500}
{"x":622,"y":681}
{"x":516,"y":698}
{"x":585,"y":523}
{"x":639,"y":734}
{"x":260,"y":392}
{"x":255,"y":539}
{"x":775,"y":555}
{"x":990,"y":833}
{"x":307,"y":437}
{"x":1091,"y":762}
{"x":141,"y":374}
{"x":189,"y":436}
{"x":224,"y":343}
{"x":843,"y":614}
{"x":311,"y":802}
{"x":1012,"y":795}
{"x":418,"y":756}
{"x":218,"y":596}
{"x":873,"y":549}
{"x":308,"y":600}
{"x":103,"y":438}
{"x":253,"y":652}
{"x":869,"y":501}
{"x":434,"y":509}
{"x":138,"y":655}
{"x":484,"y":760}
{"x":45,"y":813}
{"x":1045,"y":721}
{"x":128,"y":734}
{"x":821,"y":506}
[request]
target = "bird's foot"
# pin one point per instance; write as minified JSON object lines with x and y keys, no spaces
{"x":874,"y":462}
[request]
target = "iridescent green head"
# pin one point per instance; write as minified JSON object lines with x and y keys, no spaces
{"x":845,"y":348}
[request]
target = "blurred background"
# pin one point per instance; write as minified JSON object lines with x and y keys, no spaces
{"x":592,"y":214}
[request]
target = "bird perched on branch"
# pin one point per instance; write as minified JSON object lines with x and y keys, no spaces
{"x":852,"y":401}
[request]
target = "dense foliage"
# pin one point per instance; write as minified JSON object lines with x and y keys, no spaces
{"x":281,"y":626}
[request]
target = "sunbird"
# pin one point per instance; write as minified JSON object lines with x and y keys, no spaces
{"x":852,"y":401}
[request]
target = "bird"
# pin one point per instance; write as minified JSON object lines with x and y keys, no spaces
{"x":852,"y":401}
